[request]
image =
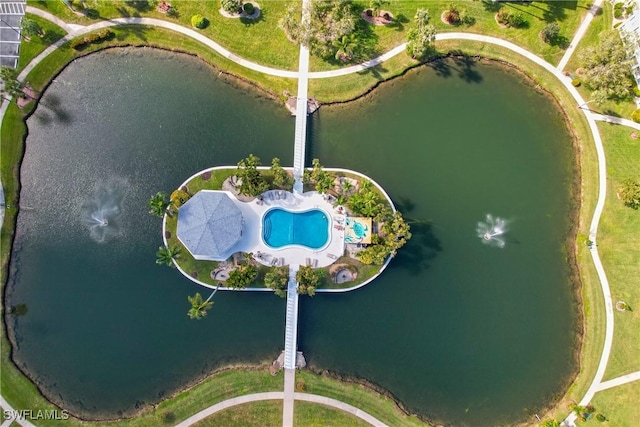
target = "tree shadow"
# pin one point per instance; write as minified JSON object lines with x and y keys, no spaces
{"x":139,"y":5}
{"x":608,"y":112}
{"x":404,"y":204}
{"x":560,"y":41}
{"x":524,"y":12}
{"x":420,"y":250}
{"x":466,"y":68}
{"x":376,"y":72}
{"x":139,"y":31}
{"x":398,"y":22}
{"x":52,"y":36}
{"x":441,"y":68}
{"x":54,"y":112}
{"x":123,"y":12}
{"x":367,"y":40}
{"x":249,"y":22}
{"x":491,"y":6}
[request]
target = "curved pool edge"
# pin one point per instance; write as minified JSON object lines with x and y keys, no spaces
{"x":319,"y":290}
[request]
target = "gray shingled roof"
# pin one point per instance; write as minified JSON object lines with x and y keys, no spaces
{"x":209,"y":225}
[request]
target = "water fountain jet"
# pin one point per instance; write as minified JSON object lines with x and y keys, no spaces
{"x":491,"y":230}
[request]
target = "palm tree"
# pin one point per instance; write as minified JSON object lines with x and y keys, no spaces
{"x":13,"y":87}
{"x":346,"y":46}
{"x":158,"y":204}
{"x":166,"y":255}
{"x":199,"y":307}
{"x":376,"y":5}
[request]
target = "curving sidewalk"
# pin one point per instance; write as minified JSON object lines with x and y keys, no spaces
{"x":625,"y":379}
{"x":279,"y":395}
{"x":616,"y":120}
{"x":591,"y":119}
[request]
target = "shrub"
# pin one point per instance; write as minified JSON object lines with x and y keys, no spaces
{"x":466,"y":18}
{"x":635,"y":90}
{"x":576,"y":82}
{"x":509,"y":19}
{"x":635,"y":116}
{"x":452,"y":15}
{"x":630,"y":193}
{"x":31,"y":28}
{"x":199,"y":21}
{"x":231,"y":6}
{"x":97,"y":37}
{"x":617,"y":13}
{"x":369,"y":13}
{"x":248,"y":8}
{"x":550,"y":32}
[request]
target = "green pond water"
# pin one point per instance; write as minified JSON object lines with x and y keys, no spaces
{"x":459,"y":331}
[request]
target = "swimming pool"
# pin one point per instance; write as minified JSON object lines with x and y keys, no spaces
{"x":282,"y":228}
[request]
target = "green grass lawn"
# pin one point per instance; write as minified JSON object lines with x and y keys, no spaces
{"x":32,"y":48}
{"x":619,"y":405}
{"x":381,"y":407}
{"x":260,"y":40}
{"x":619,"y":247}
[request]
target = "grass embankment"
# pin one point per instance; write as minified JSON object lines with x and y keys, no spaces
{"x":601,"y":22}
{"x":269,"y":413}
{"x":619,"y":247}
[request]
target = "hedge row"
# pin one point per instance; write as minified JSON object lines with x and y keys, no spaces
{"x":97,"y":37}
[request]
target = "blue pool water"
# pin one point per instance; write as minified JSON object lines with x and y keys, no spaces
{"x":281,"y":228}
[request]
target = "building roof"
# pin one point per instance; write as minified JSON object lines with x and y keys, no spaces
{"x":209,"y":225}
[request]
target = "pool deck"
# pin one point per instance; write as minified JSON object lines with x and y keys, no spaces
{"x":251,"y":241}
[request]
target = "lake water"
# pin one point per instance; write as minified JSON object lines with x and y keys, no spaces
{"x":459,"y":331}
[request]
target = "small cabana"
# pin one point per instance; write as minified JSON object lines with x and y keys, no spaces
{"x":209,"y":225}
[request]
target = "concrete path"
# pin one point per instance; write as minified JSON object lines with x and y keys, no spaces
{"x":6,"y":407}
{"x":579,"y":34}
{"x":69,"y":28}
{"x":340,"y":405}
{"x":78,"y":30}
{"x":289,"y":389}
{"x":625,"y":379}
{"x":225,"y":404}
{"x":616,"y":120}
{"x":277,"y":395}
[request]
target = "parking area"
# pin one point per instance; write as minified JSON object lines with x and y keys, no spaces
{"x":11,"y":13}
